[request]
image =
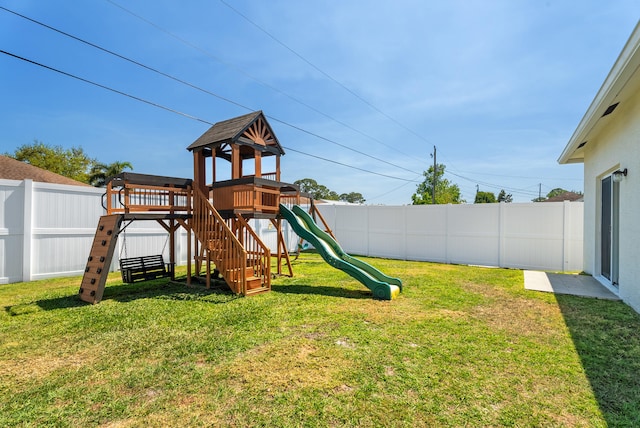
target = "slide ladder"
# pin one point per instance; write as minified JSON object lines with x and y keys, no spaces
{"x":99,"y":261}
{"x":383,"y":286}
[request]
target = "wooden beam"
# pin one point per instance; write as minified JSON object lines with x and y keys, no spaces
{"x":236,"y":163}
{"x":213,"y":169}
{"x":172,"y":248}
{"x":258,"y":164}
{"x":199,"y":170}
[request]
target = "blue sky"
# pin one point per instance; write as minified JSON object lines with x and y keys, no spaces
{"x":497,"y":86}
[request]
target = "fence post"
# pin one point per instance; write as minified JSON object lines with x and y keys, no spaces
{"x":27,"y":229}
{"x":447,"y":235}
{"x":368,"y":228}
{"x":404,"y":232}
{"x":501,"y":233}
{"x":566,"y":227}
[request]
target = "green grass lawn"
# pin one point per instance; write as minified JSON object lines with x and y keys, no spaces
{"x":461,"y":346}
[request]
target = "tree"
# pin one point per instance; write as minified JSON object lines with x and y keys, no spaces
{"x":485,"y":198}
{"x":446,"y":192}
{"x":101,"y":172}
{"x":504,"y":196}
{"x":316,"y":190}
{"x":554,"y":192}
{"x":352,"y":197}
{"x":72,"y":163}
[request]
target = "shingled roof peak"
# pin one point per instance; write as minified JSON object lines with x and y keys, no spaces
{"x":231,"y":130}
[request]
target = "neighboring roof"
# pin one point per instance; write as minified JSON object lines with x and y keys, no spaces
{"x":233,"y":131}
{"x":11,"y":169}
{"x":566,"y":196}
{"x":622,"y":82}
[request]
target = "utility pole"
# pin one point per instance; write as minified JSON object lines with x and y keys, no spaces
{"x":435,"y":177}
{"x":539,"y":192}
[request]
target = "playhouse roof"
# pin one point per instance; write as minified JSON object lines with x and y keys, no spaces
{"x":12,"y":169}
{"x":235,"y":131}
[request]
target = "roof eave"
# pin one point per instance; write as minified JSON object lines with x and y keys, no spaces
{"x":611,"y":91}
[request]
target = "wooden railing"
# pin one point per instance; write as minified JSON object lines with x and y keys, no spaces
{"x":246,"y":197}
{"x":270,"y":176}
{"x":290,"y":199}
{"x":133,"y":198}
{"x":223,"y":248}
{"x":258,"y":256}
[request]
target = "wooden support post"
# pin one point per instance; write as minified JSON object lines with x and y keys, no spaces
{"x":236,"y":163}
{"x":282,"y":248}
{"x":208,"y":269}
{"x":199,"y":171}
{"x":172,"y":248}
{"x":315,"y":211}
{"x":109,"y":201}
{"x":213,"y":166}
{"x":189,"y":256}
{"x":258,"y":164}
{"x":196,"y":245}
{"x":277,"y":223}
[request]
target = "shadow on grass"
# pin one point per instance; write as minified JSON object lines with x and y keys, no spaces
{"x":322,"y":290}
{"x":175,"y":290}
{"x":156,"y":289}
{"x":606,"y":336}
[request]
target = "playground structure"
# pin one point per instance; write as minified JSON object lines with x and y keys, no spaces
{"x":216,"y":217}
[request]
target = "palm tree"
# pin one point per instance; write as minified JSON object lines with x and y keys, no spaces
{"x":100,"y":172}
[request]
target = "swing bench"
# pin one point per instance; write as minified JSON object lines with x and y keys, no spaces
{"x":143,"y":268}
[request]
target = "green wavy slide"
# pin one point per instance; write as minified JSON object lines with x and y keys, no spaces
{"x":383,"y":287}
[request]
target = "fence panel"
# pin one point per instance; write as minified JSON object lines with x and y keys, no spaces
{"x":544,"y":236}
{"x":64,"y":220}
{"x":11,"y":230}
{"x":426,"y":233}
{"x":473,"y":234}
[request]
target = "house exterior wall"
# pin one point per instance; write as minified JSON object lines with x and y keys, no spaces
{"x":616,"y":147}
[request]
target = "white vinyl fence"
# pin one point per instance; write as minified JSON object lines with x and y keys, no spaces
{"x":541,"y":236}
{"x":46,"y":230}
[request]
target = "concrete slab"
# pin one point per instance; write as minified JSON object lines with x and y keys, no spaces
{"x":577,"y":285}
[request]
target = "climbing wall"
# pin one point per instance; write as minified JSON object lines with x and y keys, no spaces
{"x":104,"y":243}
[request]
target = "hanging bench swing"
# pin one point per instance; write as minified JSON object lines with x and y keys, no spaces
{"x":143,"y":268}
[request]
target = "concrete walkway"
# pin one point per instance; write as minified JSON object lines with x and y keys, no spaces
{"x":577,"y":285}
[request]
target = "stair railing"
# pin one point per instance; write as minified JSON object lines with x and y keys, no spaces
{"x":223,"y":247}
{"x":258,"y":254}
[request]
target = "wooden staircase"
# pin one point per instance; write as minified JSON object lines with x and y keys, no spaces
{"x":237,"y":252}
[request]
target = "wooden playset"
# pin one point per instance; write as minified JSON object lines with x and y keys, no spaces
{"x":215,"y":215}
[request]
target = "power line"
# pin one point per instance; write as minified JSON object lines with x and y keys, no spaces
{"x":351,"y":166}
{"x":105,"y":87}
{"x":395,"y":189}
{"x":516,"y":176}
{"x":523,"y":192}
{"x":496,"y":186}
{"x":327,"y":75}
{"x":176,"y":79}
{"x":154,"y":104}
{"x":250,"y":76}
